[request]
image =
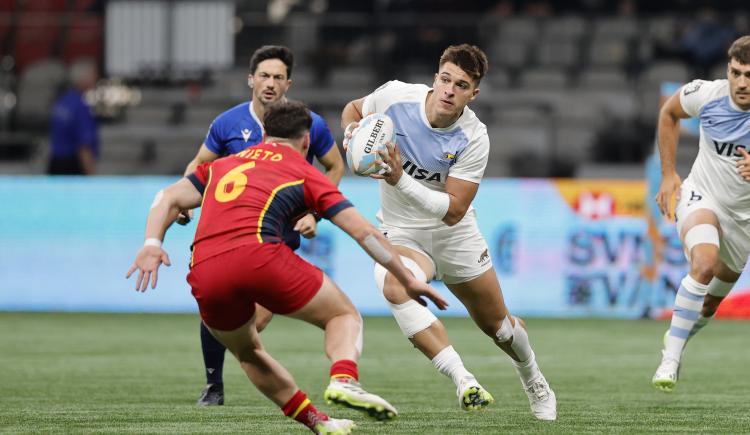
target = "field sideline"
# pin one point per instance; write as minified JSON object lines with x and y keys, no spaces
{"x":131,"y":373}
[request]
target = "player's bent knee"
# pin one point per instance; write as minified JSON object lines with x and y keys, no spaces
{"x":393,"y":293}
{"x":412,"y":317}
{"x":248,"y":354}
{"x":701,"y":233}
{"x":702,"y":266}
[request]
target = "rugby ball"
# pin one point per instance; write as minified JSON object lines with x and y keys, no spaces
{"x":373,"y":132}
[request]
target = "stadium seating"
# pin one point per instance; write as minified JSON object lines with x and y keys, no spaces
{"x":555,"y":82}
{"x":37,"y":87}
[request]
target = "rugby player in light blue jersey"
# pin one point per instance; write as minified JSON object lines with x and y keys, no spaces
{"x":713,"y":203}
{"x":426,"y":213}
{"x":231,"y":132}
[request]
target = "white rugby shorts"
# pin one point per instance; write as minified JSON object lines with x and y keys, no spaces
{"x":459,"y":253}
{"x":734,"y":239}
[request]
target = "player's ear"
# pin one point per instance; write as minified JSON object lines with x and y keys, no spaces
{"x":305,"y":143}
{"x":250,"y":81}
{"x":474,"y":94}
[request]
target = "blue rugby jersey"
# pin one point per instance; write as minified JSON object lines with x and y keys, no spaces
{"x":239,"y":128}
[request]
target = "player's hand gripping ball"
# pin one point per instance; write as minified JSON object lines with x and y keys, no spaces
{"x":373,"y":132}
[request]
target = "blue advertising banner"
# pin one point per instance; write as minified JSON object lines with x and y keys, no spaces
{"x":560,"y":248}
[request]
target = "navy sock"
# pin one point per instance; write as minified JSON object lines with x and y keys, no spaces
{"x":213,"y":356}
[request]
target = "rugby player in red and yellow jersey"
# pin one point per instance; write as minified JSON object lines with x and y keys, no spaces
{"x":248,"y":200}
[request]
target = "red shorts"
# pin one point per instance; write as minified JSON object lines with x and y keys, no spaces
{"x":228,"y":285}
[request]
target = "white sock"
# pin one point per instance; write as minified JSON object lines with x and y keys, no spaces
{"x":527,"y":368}
{"x":449,"y":363}
{"x":687,"y":309}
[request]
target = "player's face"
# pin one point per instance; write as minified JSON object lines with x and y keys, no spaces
{"x":453,"y":90}
{"x":270,"y":82}
{"x":739,"y":83}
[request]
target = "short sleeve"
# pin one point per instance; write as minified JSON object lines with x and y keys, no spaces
{"x":378,"y":100}
{"x":214,"y":139}
{"x":472,"y":161}
{"x":321,"y":139}
{"x":322,"y":196}
{"x":694,"y":95}
{"x":199,"y":177}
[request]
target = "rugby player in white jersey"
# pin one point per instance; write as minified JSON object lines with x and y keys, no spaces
{"x":713,"y":203}
{"x":426,"y":213}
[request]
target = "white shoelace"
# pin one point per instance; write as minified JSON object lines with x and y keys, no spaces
{"x":539,"y":389}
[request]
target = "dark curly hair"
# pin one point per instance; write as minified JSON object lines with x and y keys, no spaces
{"x":469,"y":58}
{"x":740,"y":50}
{"x":279,"y":52}
{"x":287,"y":119}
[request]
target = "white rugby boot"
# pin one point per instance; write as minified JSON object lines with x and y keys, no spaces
{"x":334,"y":426}
{"x":471,"y":395}
{"x":351,"y":394}
{"x":665,"y":378}
{"x":542,"y":399}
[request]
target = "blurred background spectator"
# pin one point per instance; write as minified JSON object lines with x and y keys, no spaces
{"x":74,"y":135}
{"x":572,"y":90}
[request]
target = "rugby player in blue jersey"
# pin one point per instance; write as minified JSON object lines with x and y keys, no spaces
{"x":233,"y":131}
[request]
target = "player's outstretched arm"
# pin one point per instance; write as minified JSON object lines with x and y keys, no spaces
{"x":204,"y":155}
{"x":333,"y":164}
{"x":182,"y":195}
{"x":380,"y":249}
{"x":668,"y":134}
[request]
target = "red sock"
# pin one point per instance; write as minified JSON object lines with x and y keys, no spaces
{"x":300,"y":408}
{"x":344,"y":369}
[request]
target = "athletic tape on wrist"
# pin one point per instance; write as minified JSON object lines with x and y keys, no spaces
{"x":433,"y":202}
{"x":152,"y":241}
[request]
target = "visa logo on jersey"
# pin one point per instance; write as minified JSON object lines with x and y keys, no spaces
{"x":419,"y":173}
{"x":729,"y":149}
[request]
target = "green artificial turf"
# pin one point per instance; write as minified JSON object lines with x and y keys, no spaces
{"x":126,"y":373}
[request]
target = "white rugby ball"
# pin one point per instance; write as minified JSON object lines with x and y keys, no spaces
{"x":367,"y":139}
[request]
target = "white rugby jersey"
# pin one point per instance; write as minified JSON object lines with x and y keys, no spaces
{"x":429,"y":155}
{"x":724,"y":128}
